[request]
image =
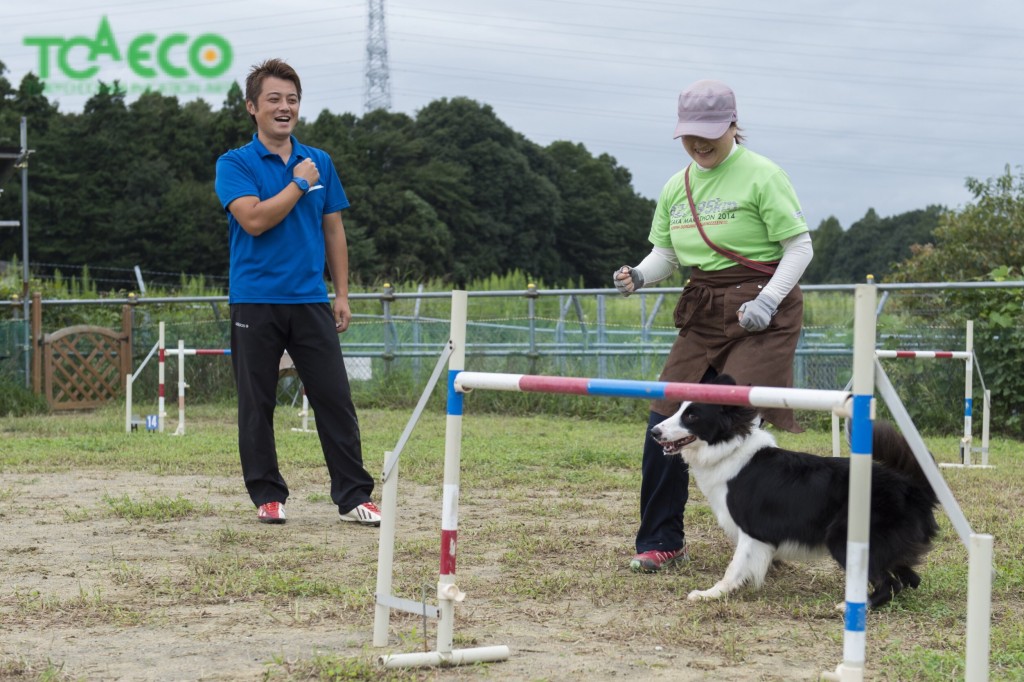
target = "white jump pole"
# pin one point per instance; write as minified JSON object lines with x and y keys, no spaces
{"x":304,"y":414}
{"x":448,"y":592}
{"x":180,"y":431}
{"x":979,"y":607}
{"x":965,"y":444}
{"x":386,"y":552}
{"x":986,"y":403}
{"x":858,"y":528}
{"x":835,"y":435}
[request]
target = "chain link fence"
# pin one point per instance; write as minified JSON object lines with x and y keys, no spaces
{"x":395,"y":339}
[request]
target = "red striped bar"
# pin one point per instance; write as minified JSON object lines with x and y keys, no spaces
{"x":925,"y":354}
{"x":544,"y":384}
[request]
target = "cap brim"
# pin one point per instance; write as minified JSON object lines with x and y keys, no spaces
{"x":709,"y":130}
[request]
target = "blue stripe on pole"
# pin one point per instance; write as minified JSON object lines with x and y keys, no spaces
{"x":626,"y":389}
{"x":968,"y":406}
{"x":454,"y":397}
{"x":860,"y":439}
{"x":856,"y":617}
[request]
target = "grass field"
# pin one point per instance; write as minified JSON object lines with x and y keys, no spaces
{"x":137,"y":557}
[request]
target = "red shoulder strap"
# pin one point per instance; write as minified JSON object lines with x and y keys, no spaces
{"x":767,"y":268}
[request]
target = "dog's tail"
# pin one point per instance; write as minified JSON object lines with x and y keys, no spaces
{"x":892,"y":450}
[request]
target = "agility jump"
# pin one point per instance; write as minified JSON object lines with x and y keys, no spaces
{"x":968,"y":356}
{"x":162,"y":352}
{"x":858,"y":406}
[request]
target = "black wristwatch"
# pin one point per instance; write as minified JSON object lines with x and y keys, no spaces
{"x":302,"y":183}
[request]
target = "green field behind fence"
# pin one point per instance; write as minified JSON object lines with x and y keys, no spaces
{"x":396,"y":337}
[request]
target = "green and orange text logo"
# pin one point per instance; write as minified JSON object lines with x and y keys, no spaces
{"x":147,"y":55}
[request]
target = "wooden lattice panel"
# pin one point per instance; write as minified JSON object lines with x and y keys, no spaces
{"x":84,"y":366}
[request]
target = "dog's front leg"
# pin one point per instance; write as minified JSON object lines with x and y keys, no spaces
{"x":749,"y":563}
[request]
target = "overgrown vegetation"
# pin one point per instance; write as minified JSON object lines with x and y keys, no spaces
{"x":502,"y":330}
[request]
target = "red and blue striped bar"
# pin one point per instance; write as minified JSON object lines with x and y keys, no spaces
{"x":756,"y":396}
{"x":925,"y":354}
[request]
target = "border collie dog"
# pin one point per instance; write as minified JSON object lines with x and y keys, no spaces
{"x":779,"y":504}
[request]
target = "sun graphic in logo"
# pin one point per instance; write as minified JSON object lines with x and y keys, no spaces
{"x":210,"y":56}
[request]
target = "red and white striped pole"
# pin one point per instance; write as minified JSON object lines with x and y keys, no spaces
{"x":161,"y":360}
{"x":447,"y":591}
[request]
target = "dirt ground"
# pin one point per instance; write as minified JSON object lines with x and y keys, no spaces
{"x":90,"y":593}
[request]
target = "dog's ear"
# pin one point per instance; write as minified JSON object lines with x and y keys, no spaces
{"x":724,"y":379}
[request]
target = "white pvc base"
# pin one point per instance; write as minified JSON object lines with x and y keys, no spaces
{"x":844,"y":673}
{"x":486,"y":654}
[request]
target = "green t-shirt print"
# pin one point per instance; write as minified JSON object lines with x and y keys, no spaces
{"x":746,"y":205}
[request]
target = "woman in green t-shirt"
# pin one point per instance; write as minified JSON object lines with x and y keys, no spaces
{"x":733,"y":218}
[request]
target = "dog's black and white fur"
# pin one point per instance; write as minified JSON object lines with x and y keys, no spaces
{"x":779,"y":504}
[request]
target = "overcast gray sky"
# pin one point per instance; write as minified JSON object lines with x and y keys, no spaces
{"x":884,"y":104}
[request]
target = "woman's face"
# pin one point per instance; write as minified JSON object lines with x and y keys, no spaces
{"x":709,"y":153}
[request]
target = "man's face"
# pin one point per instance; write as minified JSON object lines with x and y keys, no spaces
{"x":276,"y":109}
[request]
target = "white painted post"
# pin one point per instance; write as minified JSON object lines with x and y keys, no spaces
{"x":447,"y":592}
{"x":986,"y":403}
{"x":858,"y":528}
{"x":180,"y":431}
{"x":965,"y":443}
{"x":386,"y":553}
{"x":979,"y":600}
{"x":836,"y":451}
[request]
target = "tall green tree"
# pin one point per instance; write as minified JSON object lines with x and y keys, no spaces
{"x":826,"y":240}
{"x":511,"y":211}
{"x":985,"y":235}
{"x":872,"y":245}
{"x":984,"y":241}
{"x":604,"y":222}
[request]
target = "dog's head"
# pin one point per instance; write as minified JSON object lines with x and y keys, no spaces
{"x":701,"y":424}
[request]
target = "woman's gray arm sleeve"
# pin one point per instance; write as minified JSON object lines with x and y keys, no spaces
{"x":797,"y":253}
{"x":658,"y":265}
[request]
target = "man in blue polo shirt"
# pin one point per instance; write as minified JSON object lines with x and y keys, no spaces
{"x":284,"y":202}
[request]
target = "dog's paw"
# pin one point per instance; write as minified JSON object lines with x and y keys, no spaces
{"x":704,"y":595}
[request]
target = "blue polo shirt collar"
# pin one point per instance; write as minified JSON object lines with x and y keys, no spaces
{"x":299,"y":150}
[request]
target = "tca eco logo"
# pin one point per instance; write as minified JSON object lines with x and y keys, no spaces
{"x":148,"y":55}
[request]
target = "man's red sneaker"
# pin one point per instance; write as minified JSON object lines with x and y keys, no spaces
{"x":271,"y":512}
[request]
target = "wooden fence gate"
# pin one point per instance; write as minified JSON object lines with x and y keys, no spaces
{"x":83,"y":366}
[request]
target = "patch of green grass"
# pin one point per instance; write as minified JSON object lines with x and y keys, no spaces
{"x":160,"y":509}
{"x":332,"y":668}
